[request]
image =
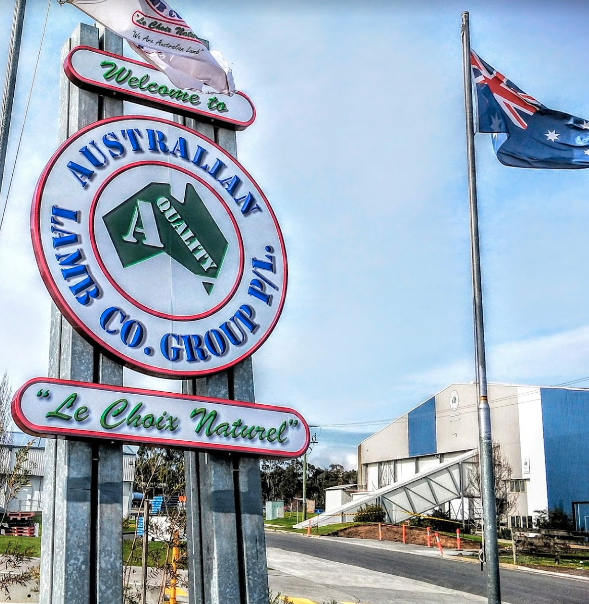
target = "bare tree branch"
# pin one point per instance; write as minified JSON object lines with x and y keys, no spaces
{"x":505,"y":501}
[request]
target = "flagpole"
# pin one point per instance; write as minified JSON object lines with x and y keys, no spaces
{"x":484,"y":415}
{"x":10,"y":81}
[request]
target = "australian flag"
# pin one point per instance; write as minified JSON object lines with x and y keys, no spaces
{"x":526,"y":134}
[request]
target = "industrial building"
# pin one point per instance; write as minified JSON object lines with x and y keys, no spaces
{"x":543,"y":434}
{"x":425,"y":459}
{"x":30,"y":497}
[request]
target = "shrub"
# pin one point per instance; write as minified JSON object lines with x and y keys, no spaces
{"x":554,"y":519}
{"x":438,"y":520}
{"x":370,"y":513}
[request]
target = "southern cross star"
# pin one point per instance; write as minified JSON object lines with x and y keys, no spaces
{"x":585,"y":125}
{"x":552,"y":136}
{"x":586,"y":152}
{"x":496,"y":124}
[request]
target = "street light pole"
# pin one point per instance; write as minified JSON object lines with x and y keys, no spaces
{"x":313,"y":441}
{"x":18,"y":20}
{"x":305,"y":486}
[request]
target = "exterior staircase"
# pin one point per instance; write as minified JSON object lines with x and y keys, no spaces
{"x":417,"y":495}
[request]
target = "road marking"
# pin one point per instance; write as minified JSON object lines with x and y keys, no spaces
{"x":306,"y":601}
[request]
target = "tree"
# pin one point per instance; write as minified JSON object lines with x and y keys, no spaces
{"x":5,"y":439}
{"x":13,"y":477}
{"x":14,"y":474}
{"x":504,"y":500}
{"x":159,"y":471}
{"x":283,"y":480}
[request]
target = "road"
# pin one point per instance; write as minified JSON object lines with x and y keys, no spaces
{"x":517,"y":587}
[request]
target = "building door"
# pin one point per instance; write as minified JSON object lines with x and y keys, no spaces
{"x":581,"y":516}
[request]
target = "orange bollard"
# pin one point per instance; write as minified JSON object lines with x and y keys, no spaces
{"x":379,"y":531}
{"x":458,"y":539}
{"x":404,"y":533}
{"x":429,"y":537}
{"x":174,"y":577}
{"x":309,"y":529}
{"x":439,"y":544}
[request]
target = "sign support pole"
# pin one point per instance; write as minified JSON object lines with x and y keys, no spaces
{"x":82,"y":529}
{"x":109,"y":532}
{"x":225,"y":527}
{"x":82,"y":537}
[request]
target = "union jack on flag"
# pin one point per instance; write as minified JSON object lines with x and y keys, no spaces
{"x":510,"y":98}
{"x":526,"y":134}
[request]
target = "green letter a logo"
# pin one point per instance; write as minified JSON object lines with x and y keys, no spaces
{"x":152,"y":222}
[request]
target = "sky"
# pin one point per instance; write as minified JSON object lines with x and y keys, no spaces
{"x":359,"y":145}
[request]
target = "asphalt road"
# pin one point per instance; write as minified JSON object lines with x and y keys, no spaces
{"x":517,"y":587}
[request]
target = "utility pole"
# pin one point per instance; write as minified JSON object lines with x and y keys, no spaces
{"x":312,"y":442}
{"x":18,"y":20}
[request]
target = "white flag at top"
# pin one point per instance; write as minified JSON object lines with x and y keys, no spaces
{"x":158,"y":34}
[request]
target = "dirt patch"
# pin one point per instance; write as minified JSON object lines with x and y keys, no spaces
{"x":415,"y":535}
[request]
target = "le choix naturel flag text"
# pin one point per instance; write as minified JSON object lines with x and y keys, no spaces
{"x":158,"y":34}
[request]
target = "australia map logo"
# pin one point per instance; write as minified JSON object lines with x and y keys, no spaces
{"x":153,"y":222}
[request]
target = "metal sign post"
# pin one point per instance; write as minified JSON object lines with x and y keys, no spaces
{"x":224,"y":523}
{"x":83,"y":507}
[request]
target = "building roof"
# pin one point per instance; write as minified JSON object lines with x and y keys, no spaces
{"x":452,"y":385}
{"x":20,"y":439}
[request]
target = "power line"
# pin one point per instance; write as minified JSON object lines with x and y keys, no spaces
{"x":471,"y":408}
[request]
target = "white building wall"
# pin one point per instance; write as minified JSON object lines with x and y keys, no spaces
{"x":457,"y":428}
{"x":405,"y":469}
{"x":28,"y":499}
{"x":389,"y":443}
{"x":533,"y":462}
{"x":428,"y":463}
{"x":127,"y":497}
{"x":335,"y":497}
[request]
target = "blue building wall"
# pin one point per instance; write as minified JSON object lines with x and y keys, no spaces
{"x":422,"y":429}
{"x":565,"y":419}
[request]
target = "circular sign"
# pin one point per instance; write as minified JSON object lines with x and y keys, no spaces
{"x":454,"y":400}
{"x":156,"y":244}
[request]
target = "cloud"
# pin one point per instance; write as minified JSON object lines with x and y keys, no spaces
{"x":548,"y":360}
{"x":325,"y":455}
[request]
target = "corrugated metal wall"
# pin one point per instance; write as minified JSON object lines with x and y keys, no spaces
{"x":422,"y":429}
